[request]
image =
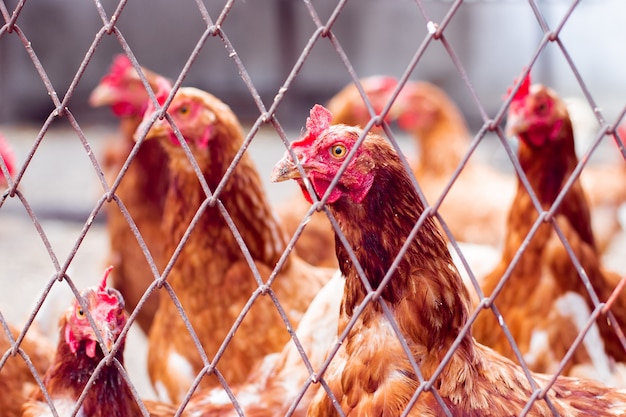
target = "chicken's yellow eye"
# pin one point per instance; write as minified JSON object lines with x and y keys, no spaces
{"x":184,"y":109}
{"x":338,"y":151}
{"x":80,"y":313}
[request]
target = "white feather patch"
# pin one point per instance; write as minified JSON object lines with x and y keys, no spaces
{"x":63,"y":406}
{"x":574,"y":306}
{"x":180,"y":369}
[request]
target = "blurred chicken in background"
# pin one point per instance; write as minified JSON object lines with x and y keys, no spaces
{"x":141,"y":190}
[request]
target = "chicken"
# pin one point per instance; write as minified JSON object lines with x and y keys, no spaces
{"x":213,"y":277}
{"x":141,"y":190}
{"x":79,"y":355}
{"x":16,"y":377}
{"x":483,"y":193}
{"x":476,"y":205}
{"x":8,"y":157}
{"x":401,"y":321}
{"x":544,"y":301}
{"x":275,"y":386}
{"x":315,"y":243}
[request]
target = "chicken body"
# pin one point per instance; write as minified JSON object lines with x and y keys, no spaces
{"x":77,"y":357}
{"x":211,"y":277}
{"x":544,"y":302}
{"x":142,"y":189}
{"x":475,"y":207}
{"x":423,"y":299}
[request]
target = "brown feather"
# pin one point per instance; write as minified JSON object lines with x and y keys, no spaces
{"x":428,"y":302}
{"x":16,"y":378}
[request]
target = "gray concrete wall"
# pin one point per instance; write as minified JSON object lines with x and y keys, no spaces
{"x":493,"y":40}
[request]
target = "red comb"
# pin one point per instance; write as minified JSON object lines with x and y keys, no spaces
{"x":318,"y":121}
{"x":103,"y":284}
{"x":379,"y":83}
{"x":163,"y":90}
{"x":523,"y":90}
{"x":118,"y":68}
{"x":104,"y":294}
{"x":164,"y":87}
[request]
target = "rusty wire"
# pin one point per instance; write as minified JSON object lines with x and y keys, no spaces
{"x":323,"y":33}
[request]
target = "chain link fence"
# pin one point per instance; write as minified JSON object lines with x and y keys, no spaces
{"x":293,"y":55}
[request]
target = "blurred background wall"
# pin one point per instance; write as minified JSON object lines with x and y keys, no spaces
{"x":493,"y":40}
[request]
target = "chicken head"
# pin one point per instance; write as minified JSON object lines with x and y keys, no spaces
{"x":106,"y":307}
{"x":536,"y":115}
{"x":323,"y":161}
{"x":123,"y":90}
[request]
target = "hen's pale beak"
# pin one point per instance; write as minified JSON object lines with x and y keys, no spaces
{"x":285,"y":169}
{"x":514,"y":125}
{"x":159,"y":128}
{"x":102,"y":95}
{"x":109,"y":335}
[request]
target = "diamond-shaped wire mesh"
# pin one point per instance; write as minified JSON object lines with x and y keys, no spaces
{"x":271,"y":62}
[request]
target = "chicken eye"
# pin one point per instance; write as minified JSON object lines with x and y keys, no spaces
{"x":338,"y":151}
{"x":80,"y":313}
{"x":184,"y":109}
{"x":542,"y":108}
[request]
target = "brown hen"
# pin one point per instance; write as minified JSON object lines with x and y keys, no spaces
{"x":79,"y":354}
{"x":419,"y":299}
{"x":211,"y":275}
{"x":141,"y":190}
{"x":544,"y":301}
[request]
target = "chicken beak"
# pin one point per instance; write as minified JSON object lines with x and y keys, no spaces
{"x":109,"y":334}
{"x":102,"y":95}
{"x":285,"y":169}
{"x":515,"y":124}
{"x":159,"y":128}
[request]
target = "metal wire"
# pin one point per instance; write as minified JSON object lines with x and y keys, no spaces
{"x":324,"y":32}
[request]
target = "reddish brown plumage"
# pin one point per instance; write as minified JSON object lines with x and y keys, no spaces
{"x":78,"y":354}
{"x":142,"y":188}
{"x":371,"y":373}
{"x":16,"y":378}
{"x":275,"y":386}
{"x":531,"y":301}
{"x":211,"y":276}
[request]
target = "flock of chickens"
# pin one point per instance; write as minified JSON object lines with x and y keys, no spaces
{"x":349,"y":301}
